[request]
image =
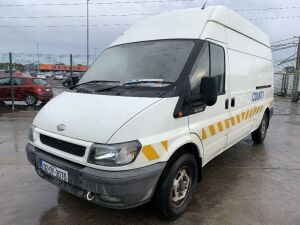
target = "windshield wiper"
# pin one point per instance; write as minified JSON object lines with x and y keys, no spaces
{"x":148,"y":82}
{"x":95,"y":82}
{"x":116,"y":86}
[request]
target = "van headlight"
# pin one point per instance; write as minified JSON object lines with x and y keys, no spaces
{"x":30,"y":133}
{"x":114,"y":154}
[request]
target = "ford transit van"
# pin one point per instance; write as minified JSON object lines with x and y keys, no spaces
{"x":170,"y":94}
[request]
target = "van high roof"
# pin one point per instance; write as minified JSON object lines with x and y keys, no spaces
{"x":190,"y":24}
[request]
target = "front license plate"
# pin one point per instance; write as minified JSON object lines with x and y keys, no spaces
{"x":54,"y":171}
{"x":48,"y":90}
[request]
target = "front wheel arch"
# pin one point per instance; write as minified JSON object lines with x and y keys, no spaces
{"x":186,"y":148}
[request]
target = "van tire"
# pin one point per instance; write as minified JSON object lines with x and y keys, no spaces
{"x":31,"y":100}
{"x":183,"y":172}
{"x":259,"y":135}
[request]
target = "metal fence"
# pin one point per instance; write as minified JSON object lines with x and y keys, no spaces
{"x":283,"y":84}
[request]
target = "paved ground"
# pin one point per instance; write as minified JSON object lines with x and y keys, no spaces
{"x":247,"y":184}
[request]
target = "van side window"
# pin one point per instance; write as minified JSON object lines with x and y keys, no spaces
{"x":200,"y":69}
{"x":217,"y":65}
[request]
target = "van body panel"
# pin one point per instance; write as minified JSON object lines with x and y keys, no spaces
{"x":155,"y":125}
{"x":182,"y":24}
{"x":243,"y":26}
{"x":242,"y":43}
{"x":89,"y":117}
{"x":214,"y":31}
{"x":189,"y":24}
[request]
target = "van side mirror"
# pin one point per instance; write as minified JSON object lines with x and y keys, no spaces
{"x":209,"y":90}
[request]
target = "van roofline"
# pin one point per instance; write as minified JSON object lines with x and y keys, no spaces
{"x":190,"y":24}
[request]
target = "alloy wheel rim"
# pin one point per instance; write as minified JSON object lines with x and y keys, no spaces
{"x":181,"y":186}
{"x":30,"y":99}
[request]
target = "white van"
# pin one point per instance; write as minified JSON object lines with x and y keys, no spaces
{"x":170,"y":94}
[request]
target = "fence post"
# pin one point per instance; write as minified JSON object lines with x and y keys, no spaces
{"x":71,"y":69}
{"x":295,"y":94}
{"x":283,"y":84}
{"x":11,"y":83}
{"x":286,"y":85}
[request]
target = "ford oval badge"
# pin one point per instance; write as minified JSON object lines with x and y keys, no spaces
{"x":61,"y":127}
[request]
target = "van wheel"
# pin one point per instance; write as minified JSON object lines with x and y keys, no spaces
{"x":174,"y":192}
{"x":31,"y":100}
{"x":259,"y":135}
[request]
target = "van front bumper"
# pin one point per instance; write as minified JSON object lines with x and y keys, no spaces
{"x":112,"y":189}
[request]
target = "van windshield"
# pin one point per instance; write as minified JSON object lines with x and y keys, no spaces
{"x":149,"y":63}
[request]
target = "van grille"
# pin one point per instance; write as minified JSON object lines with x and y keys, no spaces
{"x":68,"y":147}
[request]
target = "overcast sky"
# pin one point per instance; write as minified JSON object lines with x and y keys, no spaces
{"x":66,"y":40}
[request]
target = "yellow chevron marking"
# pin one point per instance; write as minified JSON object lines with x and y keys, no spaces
{"x":226,"y":123}
{"x":212,"y":130}
{"x":254,"y":111}
{"x":203,"y":135}
{"x":150,"y":152}
{"x":243,"y":115}
{"x":232,"y":121}
{"x":250,"y":113}
{"x":238,"y":118}
{"x":247,"y":114}
{"x":165,"y":144}
{"x":261,"y":108}
{"x":220,"y":126}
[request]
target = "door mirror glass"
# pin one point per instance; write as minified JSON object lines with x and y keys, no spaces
{"x":209,"y":90}
{"x":208,"y":94}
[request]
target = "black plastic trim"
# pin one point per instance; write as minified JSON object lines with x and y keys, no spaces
{"x":264,"y":86}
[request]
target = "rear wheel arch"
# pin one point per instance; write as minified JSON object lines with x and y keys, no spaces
{"x":268,"y":113}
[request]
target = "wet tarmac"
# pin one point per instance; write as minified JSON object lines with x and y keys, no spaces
{"x":247,"y":184}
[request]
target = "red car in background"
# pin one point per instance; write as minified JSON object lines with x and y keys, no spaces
{"x":27,"y":89}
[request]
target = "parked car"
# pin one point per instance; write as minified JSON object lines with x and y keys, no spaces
{"x":69,"y":81}
{"x":41,"y":76}
{"x":155,"y":107}
{"x":48,"y":74}
{"x":26,"y":89}
{"x":26,"y":74}
{"x":58,"y":77}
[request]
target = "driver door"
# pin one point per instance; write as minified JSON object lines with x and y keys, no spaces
{"x":211,"y":123}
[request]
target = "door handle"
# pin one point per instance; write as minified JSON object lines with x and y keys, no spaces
{"x":232,"y":102}
{"x":226,"y":103}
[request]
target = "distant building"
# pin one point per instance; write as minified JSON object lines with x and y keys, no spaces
{"x":60,"y":67}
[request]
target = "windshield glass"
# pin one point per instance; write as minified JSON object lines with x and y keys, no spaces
{"x":153,"y":61}
{"x":39,"y":81}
